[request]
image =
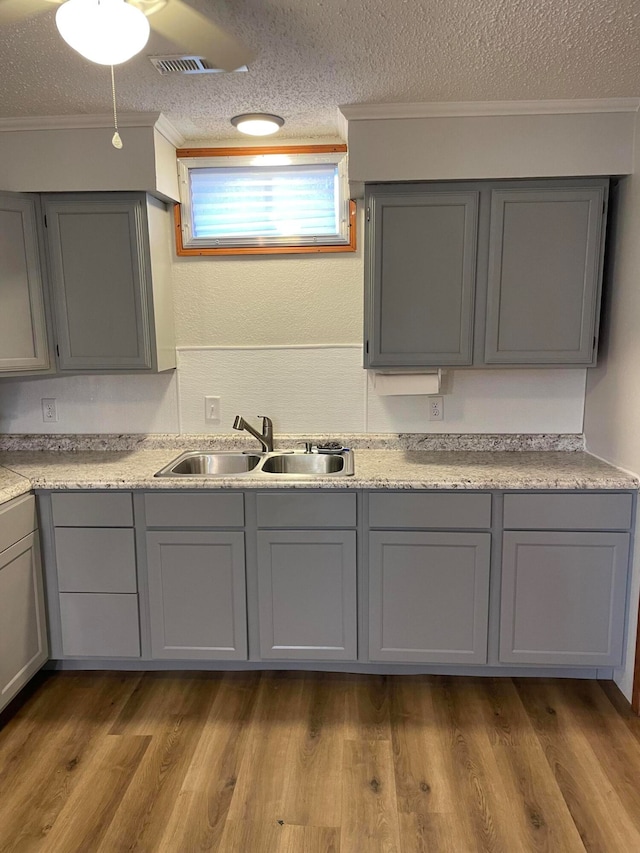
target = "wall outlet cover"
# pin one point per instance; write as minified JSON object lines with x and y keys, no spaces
{"x":212,"y":410}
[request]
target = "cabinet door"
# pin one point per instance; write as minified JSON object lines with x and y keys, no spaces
{"x":99,"y":625}
{"x":420,"y":277}
{"x":23,"y":633}
{"x":23,"y":331}
{"x":429,"y":597}
{"x":100,"y":279}
{"x":563,"y":597}
{"x":197,"y":595}
{"x":307,"y":594}
{"x":545,"y":260}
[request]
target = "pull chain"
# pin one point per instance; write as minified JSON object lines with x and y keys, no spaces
{"x":115,"y":140}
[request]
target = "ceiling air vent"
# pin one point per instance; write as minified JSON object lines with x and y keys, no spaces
{"x":186,"y":65}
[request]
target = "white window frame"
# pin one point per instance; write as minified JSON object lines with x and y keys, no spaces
{"x":343,"y":241}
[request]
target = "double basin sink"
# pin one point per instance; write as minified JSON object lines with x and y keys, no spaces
{"x":298,"y":464}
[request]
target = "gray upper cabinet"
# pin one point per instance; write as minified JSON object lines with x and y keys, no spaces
{"x":24,"y":345}
{"x":544,"y":274}
{"x":420,"y":275}
{"x":484,"y":273}
{"x":109,"y":269}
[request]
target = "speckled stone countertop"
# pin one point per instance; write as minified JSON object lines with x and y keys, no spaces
{"x":12,"y":485}
{"x":374,"y":469}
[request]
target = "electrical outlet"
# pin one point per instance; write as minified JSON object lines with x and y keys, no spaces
{"x":212,"y":410}
{"x":436,"y":409}
{"x":49,"y":409}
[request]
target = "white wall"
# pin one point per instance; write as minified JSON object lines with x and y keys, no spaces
{"x":612,"y":411}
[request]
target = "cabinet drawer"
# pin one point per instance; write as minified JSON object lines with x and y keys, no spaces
{"x":194,"y":510}
{"x":17,"y":519}
{"x":95,"y":559}
{"x":95,"y":625}
{"x":568,"y":512}
{"x":89,"y":509}
{"x":329,"y":509}
{"x":429,"y":510}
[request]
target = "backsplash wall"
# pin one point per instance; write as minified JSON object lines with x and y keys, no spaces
{"x":305,"y":389}
{"x":282,"y":336}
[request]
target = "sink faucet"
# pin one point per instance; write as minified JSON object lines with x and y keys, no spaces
{"x":265,"y":437}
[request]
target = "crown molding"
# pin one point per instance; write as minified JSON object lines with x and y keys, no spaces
{"x":362,"y":112}
{"x":170,"y":133}
{"x":81,"y":122}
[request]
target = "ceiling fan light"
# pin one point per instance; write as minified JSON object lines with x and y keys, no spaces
{"x":107,"y":32}
{"x":257,"y":124}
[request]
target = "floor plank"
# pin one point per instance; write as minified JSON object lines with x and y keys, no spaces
{"x":294,"y":762}
{"x":143,"y":813}
{"x":62,"y":737}
{"x":368,"y":708}
{"x":259,"y":791}
{"x":595,"y":806}
{"x":197,"y":820}
{"x":370,"y":818}
{"x":543,"y":819}
{"x":107,"y":775}
{"x":244,"y":836}
{"x":312,"y":794}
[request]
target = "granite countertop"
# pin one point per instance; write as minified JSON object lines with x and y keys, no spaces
{"x":374,"y":469}
{"x":12,"y":485}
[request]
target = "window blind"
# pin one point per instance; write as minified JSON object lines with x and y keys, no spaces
{"x":265,"y":201}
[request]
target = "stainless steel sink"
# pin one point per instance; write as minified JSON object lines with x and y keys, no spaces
{"x":297,"y":464}
{"x":315,"y":464}
{"x":221,"y":464}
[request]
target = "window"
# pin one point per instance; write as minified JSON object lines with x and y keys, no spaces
{"x":264,"y":201}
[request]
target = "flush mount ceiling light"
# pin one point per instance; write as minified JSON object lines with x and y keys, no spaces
{"x":257,"y":124}
{"x":107,"y":32}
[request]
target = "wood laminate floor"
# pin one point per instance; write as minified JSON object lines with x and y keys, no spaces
{"x":318,"y":763}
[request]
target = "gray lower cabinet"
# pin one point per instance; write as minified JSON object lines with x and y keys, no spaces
{"x":563,"y":597}
{"x":23,"y":632}
{"x":428,"y":596}
{"x":23,"y":625}
{"x":95,"y":585}
{"x":197,"y":595}
{"x":109,"y":258}
{"x":307,"y":594}
{"x":24,"y":345}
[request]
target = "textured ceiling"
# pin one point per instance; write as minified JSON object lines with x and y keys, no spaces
{"x":315,"y":54}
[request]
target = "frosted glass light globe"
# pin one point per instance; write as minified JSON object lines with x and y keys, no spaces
{"x":108,"y":32}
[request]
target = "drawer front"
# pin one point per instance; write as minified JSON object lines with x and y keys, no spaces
{"x":329,"y":509}
{"x":104,"y":626}
{"x":194,"y":510}
{"x":568,"y":512}
{"x":428,"y":509}
{"x":17,"y":519}
{"x":92,"y":509}
{"x":95,"y":559}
